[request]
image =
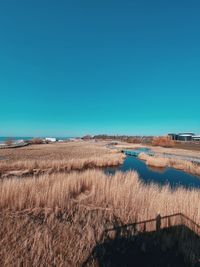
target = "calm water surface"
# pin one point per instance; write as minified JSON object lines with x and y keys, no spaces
{"x":169,"y":176}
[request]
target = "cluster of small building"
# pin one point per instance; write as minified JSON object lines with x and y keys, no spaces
{"x":20,"y":143}
{"x":186,"y":137}
{"x":50,"y":139}
{"x":53,"y":140}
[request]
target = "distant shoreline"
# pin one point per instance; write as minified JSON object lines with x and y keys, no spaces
{"x":25,"y":138}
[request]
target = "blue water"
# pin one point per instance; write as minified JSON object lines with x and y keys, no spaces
{"x":3,"y":139}
{"x":136,"y":152}
{"x":169,"y":176}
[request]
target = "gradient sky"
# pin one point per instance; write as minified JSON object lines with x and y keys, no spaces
{"x":69,"y":68}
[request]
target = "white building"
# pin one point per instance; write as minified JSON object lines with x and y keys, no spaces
{"x":19,"y":141}
{"x":50,"y":139}
{"x":196,"y":138}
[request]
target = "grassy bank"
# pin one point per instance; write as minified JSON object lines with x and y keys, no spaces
{"x":160,"y":162}
{"x":56,"y":220}
{"x":39,"y":159}
{"x":31,"y":167}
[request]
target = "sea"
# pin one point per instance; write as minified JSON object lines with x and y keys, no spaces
{"x":16,"y":138}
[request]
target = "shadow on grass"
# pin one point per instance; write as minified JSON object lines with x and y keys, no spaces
{"x":171,"y":246}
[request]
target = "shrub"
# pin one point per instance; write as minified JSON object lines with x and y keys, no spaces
{"x":9,"y":142}
{"x":163,"y":141}
{"x":36,"y":141}
{"x":133,"y":140}
{"x":87,"y":137}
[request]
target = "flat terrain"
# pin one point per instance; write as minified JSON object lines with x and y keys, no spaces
{"x":181,"y":150}
{"x":58,"y":217}
{"x":81,"y":150}
{"x":58,"y":157}
{"x":188,"y":146}
{"x":55,"y":151}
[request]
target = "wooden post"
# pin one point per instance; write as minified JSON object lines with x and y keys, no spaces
{"x":158,"y":222}
{"x":169,"y":222}
{"x":144,"y":227}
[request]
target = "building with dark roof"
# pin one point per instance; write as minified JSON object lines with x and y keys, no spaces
{"x":182,"y":136}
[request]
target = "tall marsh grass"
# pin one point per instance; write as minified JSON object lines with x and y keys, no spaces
{"x":56,"y":220}
{"x":29,"y":167}
{"x":39,"y":159}
{"x":161,"y":162}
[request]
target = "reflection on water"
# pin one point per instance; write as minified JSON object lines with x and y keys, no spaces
{"x":169,"y":176}
{"x":156,"y":169}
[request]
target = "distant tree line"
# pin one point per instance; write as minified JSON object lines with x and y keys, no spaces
{"x":163,"y":141}
{"x":125,"y":138}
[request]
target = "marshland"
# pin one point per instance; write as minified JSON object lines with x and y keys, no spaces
{"x":99,"y":133}
{"x":57,"y":202}
{"x":50,"y":158}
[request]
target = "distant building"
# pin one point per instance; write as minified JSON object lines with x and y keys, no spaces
{"x":186,"y":137}
{"x":19,"y":141}
{"x":50,"y":139}
{"x":173,"y":136}
{"x":75,"y":139}
{"x":196,"y":138}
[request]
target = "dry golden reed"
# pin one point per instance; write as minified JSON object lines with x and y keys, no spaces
{"x":161,"y":162}
{"x":56,"y":220}
{"x":39,"y":159}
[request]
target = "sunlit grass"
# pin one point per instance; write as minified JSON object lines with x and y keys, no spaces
{"x":57,"y":219}
{"x":161,"y":162}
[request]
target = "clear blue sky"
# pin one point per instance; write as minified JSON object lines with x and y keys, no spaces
{"x":117,"y":67}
